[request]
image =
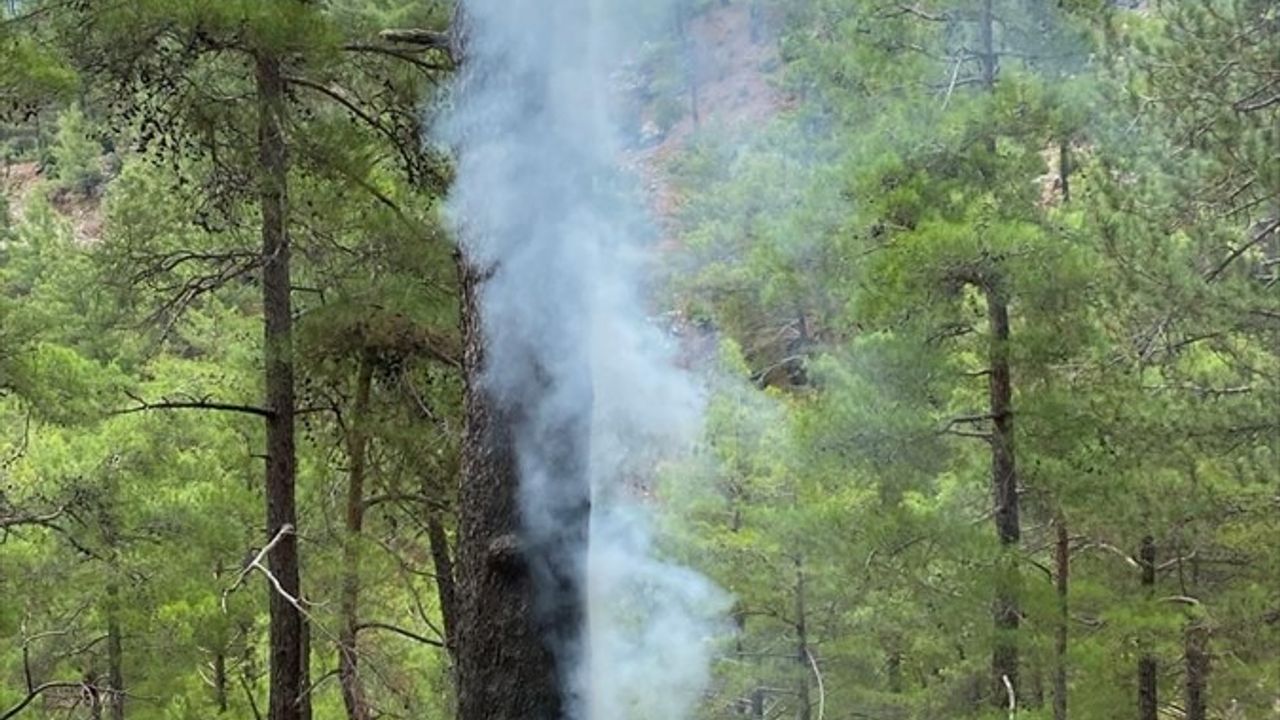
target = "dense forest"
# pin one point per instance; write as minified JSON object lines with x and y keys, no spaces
{"x":980,"y":299}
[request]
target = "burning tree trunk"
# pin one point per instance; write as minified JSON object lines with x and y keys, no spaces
{"x":525,"y":498}
{"x":507,"y":630}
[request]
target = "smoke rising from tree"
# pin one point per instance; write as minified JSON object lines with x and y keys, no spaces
{"x":587,"y":380}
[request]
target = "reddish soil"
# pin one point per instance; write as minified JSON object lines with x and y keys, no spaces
{"x":735,"y":91}
{"x":19,"y":183}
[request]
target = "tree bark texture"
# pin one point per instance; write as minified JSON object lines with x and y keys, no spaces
{"x":1004,"y":479}
{"x":115,"y":653}
{"x":1062,"y":556}
{"x":353,"y":698}
{"x":286,"y":619}
{"x":504,"y":669}
{"x":1197,"y":670}
{"x":1148,"y":669}
{"x":520,"y":595}
{"x":802,"y":644}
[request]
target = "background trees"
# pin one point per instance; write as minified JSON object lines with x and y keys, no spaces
{"x":944,"y":257}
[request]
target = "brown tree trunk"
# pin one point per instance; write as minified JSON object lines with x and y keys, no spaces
{"x":304,"y":679}
{"x":505,"y":671}
{"x":446,"y":586}
{"x":802,"y":644}
{"x":520,"y":596}
{"x":1064,"y":169}
{"x":220,"y":680}
{"x":115,"y":653}
{"x":357,"y":445}
{"x":1148,"y":679}
{"x":1062,"y":576}
{"x":1004,"y":478}
{"x":1197,"y":670}
{"x":286,"y":619}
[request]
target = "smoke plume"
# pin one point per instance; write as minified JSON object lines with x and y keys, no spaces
{"x":541,"y":203}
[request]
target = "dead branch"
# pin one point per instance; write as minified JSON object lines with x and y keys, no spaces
{"x":399,"y":631}
{"x":144,"y":406}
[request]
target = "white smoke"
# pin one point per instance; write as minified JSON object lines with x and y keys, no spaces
{"x":537,"y":198}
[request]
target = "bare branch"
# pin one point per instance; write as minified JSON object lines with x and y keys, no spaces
{"x":144,"y":406}
{"x":399,"y":631}
{"x":428,"y":39}
{"x":37,"y":691}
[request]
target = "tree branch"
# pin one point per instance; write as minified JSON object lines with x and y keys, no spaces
{"x":36,"y":692}
{"x":399,"y":631}
{"x":144,"y":406}
{"x":427,"y":39}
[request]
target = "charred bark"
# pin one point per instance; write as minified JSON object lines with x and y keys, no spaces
{"x":520,"y":598}
{"x":286,"y":620}
{"x":505,"y":670}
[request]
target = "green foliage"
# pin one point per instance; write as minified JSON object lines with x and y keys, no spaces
{"x":76,"y":155}
{"x":843,"y":260}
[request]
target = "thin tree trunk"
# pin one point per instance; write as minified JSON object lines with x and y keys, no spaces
{"x":220,"y":659}
{"x":1197,"y":670}
{"x":115,"y":653}
{"x":286,"y":619}
{"x":1004,"y":477}
{"x":304,"y":679}
{"x":446,"y":587}
{"x":220,"y":680}
{"x":1062,"y":555}
{"x":894,"y":671}
{"x":357,"y":446}
{"x":802,"y":643}
{"x":1148,"y":669}
{"x":757,"y":704}
{"x":1064,"y":170}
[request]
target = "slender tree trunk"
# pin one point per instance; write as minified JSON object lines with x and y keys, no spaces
{"x":286,"y":619}
{"x":115,"y":653}
{"x":1004,"y":477}
{"x":304,"y":680}
{"x":894,"y":671}
{"x":446,"y":587}
{"x":802,"y":643}
{"x":220,"y":680}
{"x":220,"y":659}
{"x":757,"y":704}
{"x":1148,"y":669}
{"x":1064,"y":169}
{"x":357,"y":446}
{"x":1062,"y":575}
{"x":1197,"y":670}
